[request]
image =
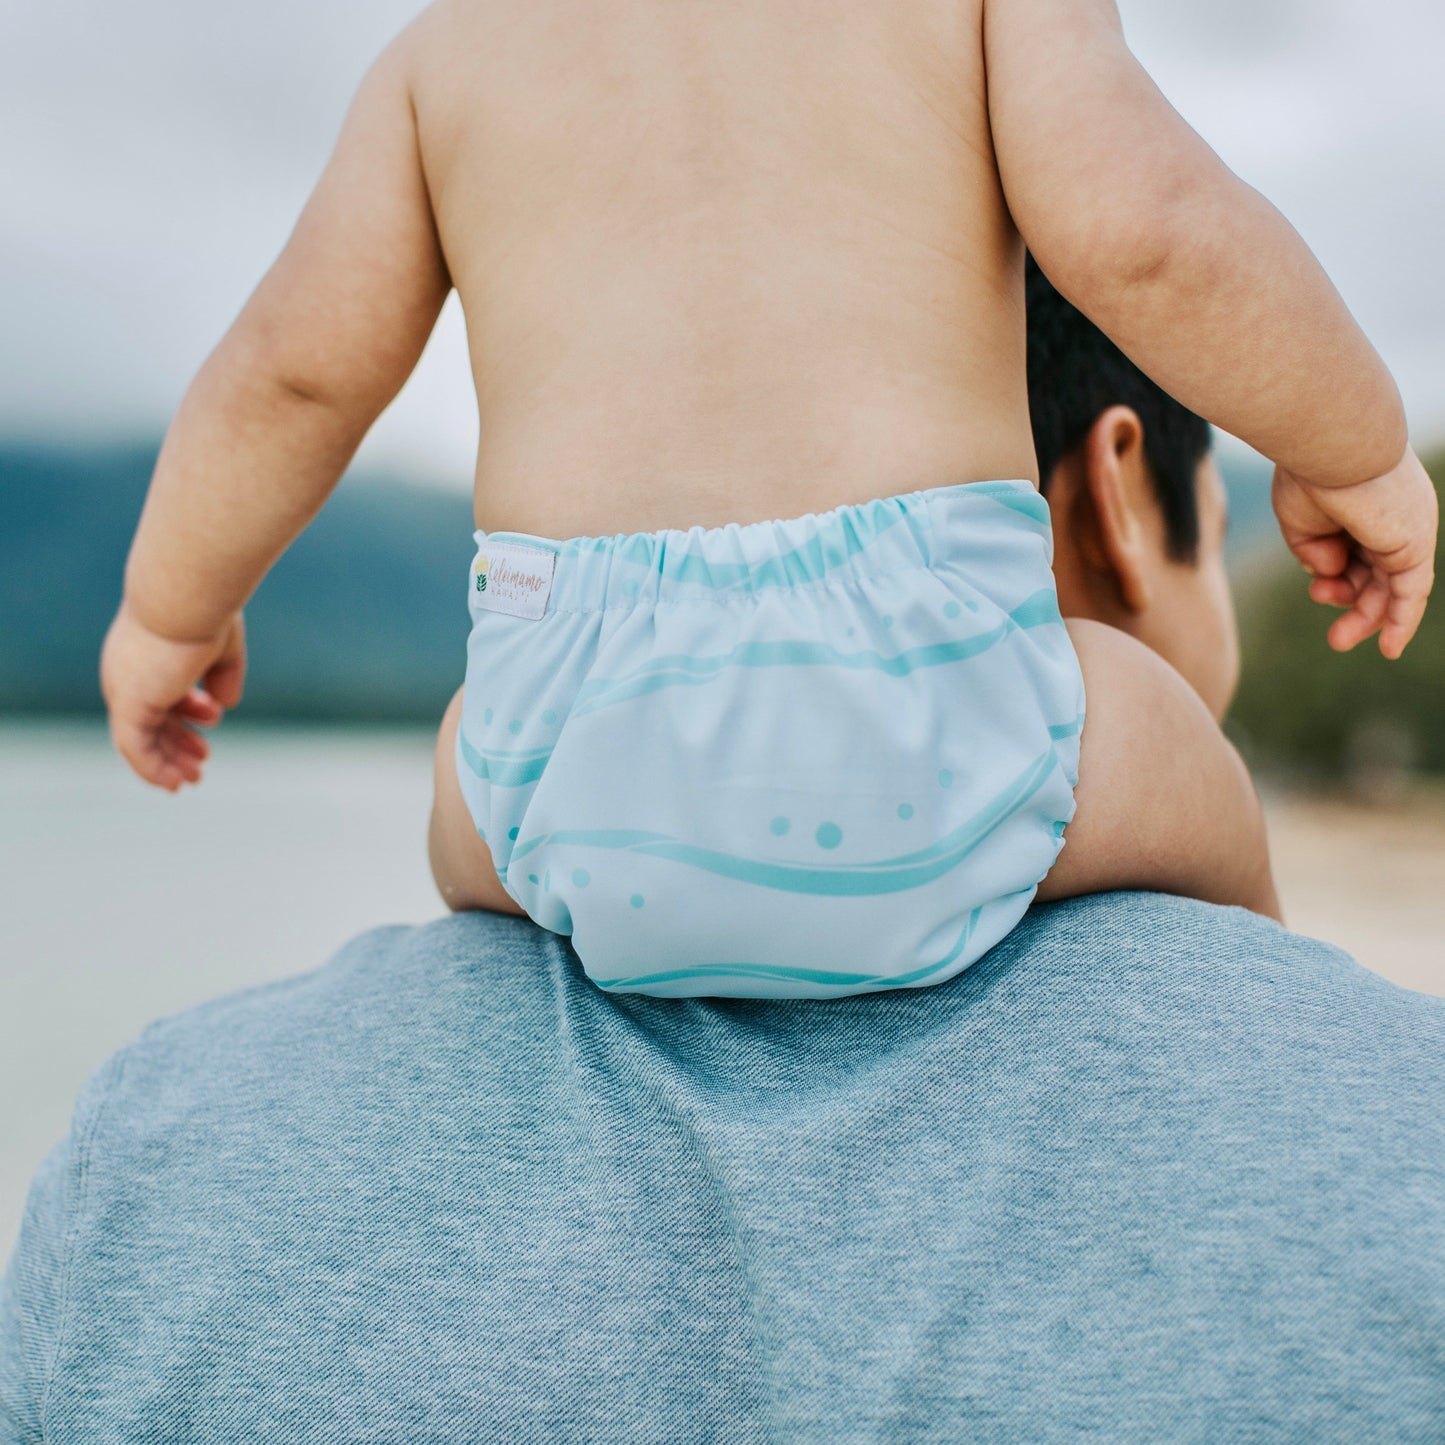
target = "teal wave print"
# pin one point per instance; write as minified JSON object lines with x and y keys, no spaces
{"x":781,"y":973}
{"x":682,"y":669}
{"x":1060,"y":731}
{"x":837,"y":880}
{"x":517,"y":769}
{"x":685,"y":670}
{"x":506,"y":770}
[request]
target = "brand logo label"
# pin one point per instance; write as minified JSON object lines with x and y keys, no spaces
{"x":512,"y":578}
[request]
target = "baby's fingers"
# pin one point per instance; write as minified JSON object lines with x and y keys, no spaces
{"x":1363,"y":619}
{"x":1323,"y":556}
{"x":140,"y":747}
{"x":199,"y":706}
{"x":184,"y":750}
{"x":177,"y":754}
{"x":167,"y":755}
{"x":1343,"y":590}
{"x":190,"y":743}
{"x":1409,"y":591}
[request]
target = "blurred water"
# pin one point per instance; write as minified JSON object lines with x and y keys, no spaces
{"x":120,"y":903}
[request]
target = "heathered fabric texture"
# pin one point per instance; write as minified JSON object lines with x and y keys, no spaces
{"x":1149,"y":1171}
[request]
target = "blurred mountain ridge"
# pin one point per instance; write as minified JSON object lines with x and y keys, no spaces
{"x":364,"y":617}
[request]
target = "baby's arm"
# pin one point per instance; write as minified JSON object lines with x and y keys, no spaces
{"x":270,"y":422}
{"x":1163,"y":803}
{"x":1208,"y":288}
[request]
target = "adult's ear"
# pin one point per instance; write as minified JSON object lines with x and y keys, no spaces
{"x":1117,"y":494}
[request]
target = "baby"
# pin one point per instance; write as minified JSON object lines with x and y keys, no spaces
{"x":724,"y":266}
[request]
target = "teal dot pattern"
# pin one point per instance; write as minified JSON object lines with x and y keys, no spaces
{"x":806,"y":758}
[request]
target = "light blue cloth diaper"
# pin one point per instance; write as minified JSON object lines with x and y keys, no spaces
{"x":799,"y":758}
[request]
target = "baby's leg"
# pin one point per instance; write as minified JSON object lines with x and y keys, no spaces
{"x":1163,"y":802}
{"x":461,"y":863}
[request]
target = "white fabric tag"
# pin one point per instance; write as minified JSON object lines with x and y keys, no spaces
{"x":509,"y":577}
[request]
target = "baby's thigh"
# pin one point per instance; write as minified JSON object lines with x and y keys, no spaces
{"x":461,"y":863}
{"x":1163,"y":800}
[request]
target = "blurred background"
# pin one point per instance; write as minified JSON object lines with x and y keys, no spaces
{"x":153,"y":158}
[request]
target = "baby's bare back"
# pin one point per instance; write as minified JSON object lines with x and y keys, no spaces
{"x":728,"y":263}
{"x":722,"y":263}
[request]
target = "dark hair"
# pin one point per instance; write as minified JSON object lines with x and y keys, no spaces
{"x":1075,"y":374}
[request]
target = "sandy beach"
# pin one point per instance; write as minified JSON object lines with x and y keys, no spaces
{"x":1369,"y":877}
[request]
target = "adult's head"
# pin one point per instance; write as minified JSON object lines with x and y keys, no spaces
{"x":1138,"y":505}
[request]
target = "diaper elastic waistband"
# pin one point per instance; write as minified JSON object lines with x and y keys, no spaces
{"x":530,"y":575}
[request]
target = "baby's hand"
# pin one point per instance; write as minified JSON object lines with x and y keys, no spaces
{"x":150,"y":687}
{"x":1370,"y":547}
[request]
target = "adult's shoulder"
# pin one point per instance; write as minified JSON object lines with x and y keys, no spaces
{"x":1150,"y":1169}
{"x":411,"y":982}
{"x":1164,"y":957}
{"x":1151,"y":981}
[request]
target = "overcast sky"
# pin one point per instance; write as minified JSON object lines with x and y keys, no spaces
{"x":154,"y":156}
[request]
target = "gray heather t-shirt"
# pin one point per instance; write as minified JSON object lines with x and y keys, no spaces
{"x":1149,"y":1171}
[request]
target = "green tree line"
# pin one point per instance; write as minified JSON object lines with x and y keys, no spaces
{"x":1308,"y":710}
